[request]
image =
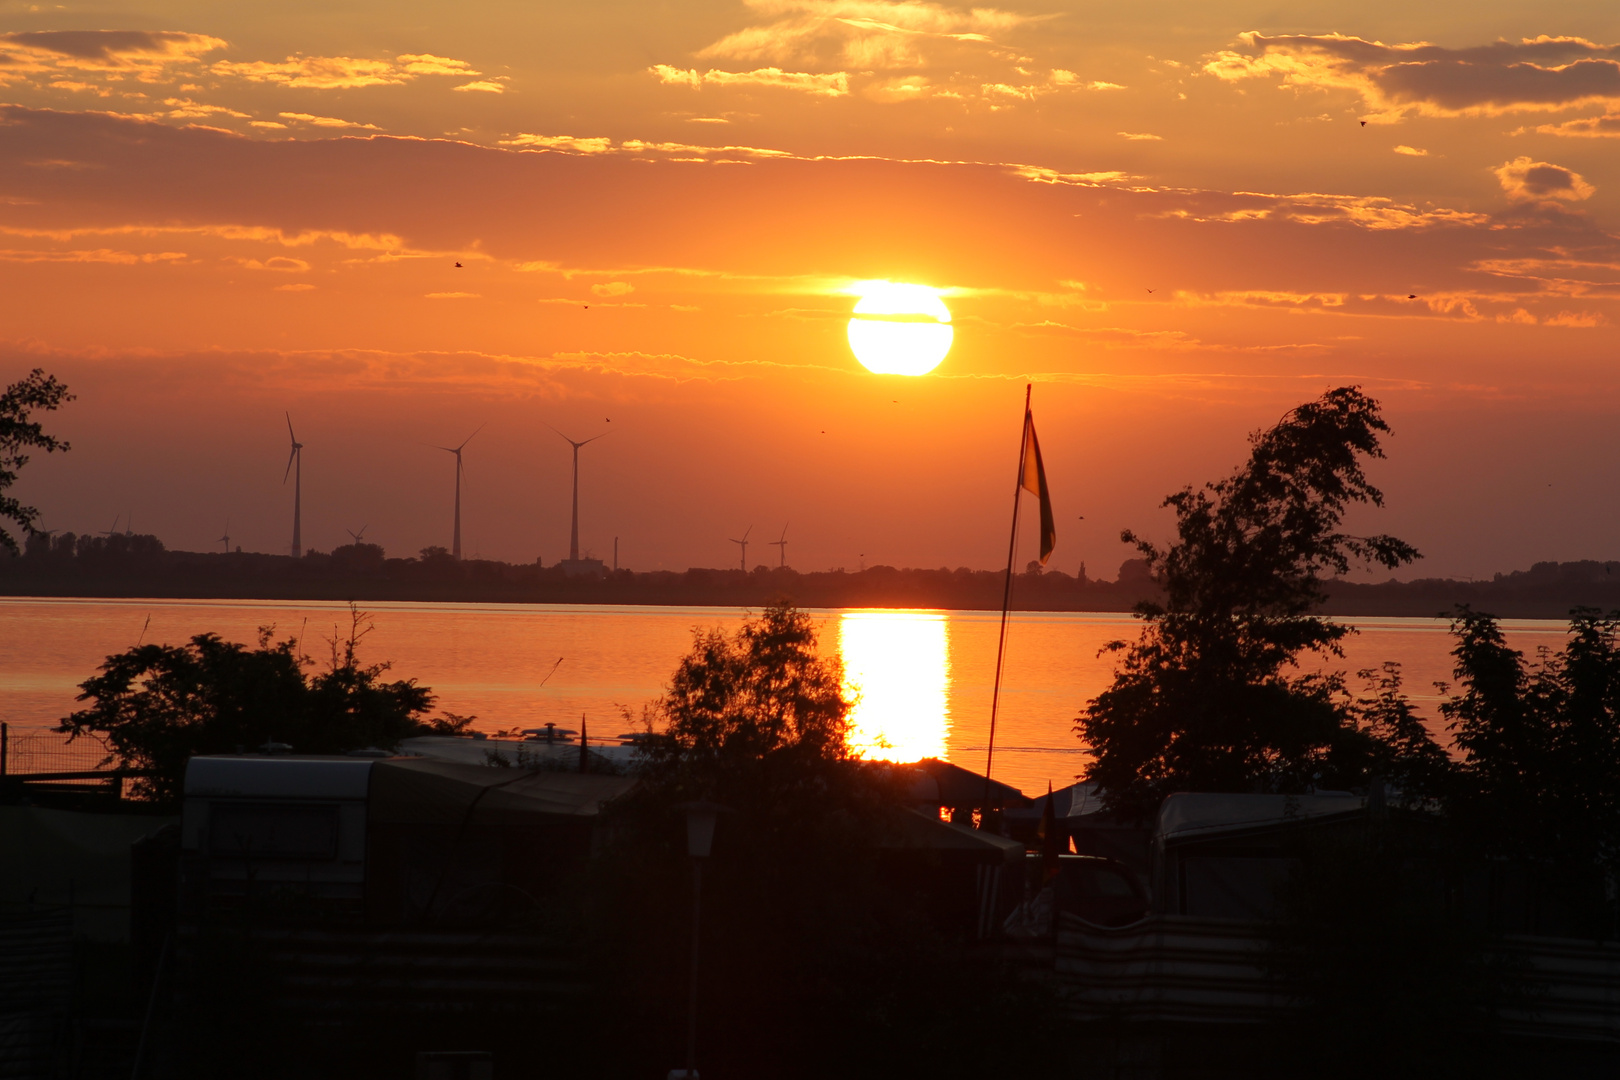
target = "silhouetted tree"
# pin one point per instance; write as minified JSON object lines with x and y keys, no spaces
{"x":19,"y":433}
{"x":1539,"y":782}
{"x":154,"y":706}
{"x":1202,"y":700}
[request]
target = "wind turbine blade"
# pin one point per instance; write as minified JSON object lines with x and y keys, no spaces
{"x":290,"y":434}
{"x":289,"y":465}
{"x":469,"y":438}
{"x":747,"y":531}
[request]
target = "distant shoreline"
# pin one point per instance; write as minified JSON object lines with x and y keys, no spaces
{"x":140,"y":568}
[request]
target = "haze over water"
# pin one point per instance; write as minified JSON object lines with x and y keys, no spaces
{"x":924,"y":678}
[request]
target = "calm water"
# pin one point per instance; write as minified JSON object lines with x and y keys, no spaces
{"x":924,"y":677}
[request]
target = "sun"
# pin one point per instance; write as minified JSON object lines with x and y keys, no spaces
{"x":899,"y":329}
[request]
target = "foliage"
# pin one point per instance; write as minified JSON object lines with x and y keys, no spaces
{"x":754,"y":718}
{"x":1201,"y":701}
{"x":1540,"y":777}
{"x":19,"y":433}
{"x":154,"y":706}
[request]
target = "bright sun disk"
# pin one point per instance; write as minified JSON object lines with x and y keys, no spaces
{"x":899,"y":329}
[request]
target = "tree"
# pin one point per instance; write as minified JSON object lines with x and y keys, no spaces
{"x":19,"y":433}
{"x":1202,"y":700}
{"x":154,"y":706}
{"x":754,"y":718}
{"x":1539,"y":782}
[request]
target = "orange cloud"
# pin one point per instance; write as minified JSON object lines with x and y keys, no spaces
{"x":835,"y":84}
{"x":342,"y":72}
{"x":1526,"y":180}
{"x":1587,"y":127}
{"x":1534,"y":74}
{"x":326,"y":121}
{"x":143,"y":51}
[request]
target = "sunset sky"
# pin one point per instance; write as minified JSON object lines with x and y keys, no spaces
{"x":1176,"y":219}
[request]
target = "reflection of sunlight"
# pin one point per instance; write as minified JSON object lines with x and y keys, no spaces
{"x":897,"y":666}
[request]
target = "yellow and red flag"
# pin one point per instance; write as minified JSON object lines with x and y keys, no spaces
{"x":1034,"y":482}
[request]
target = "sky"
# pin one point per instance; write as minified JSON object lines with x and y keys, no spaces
{"x":1175,"y":221}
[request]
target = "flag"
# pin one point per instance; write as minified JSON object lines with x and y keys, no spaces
{"x":1034,"y":482}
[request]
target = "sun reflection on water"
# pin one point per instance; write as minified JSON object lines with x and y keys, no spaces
{"x":897,"y":667}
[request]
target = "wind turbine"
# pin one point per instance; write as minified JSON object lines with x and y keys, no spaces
{"x":296,"y":457}
{"x":744,"y":545}
{"x":455,"y":545}
{"x":781,"y":546}
{"x":114,"y":530}
{"x":129,"y":524}
{"x":358,"y":536}
{"x":226,"y":539}
{"x":573,"y":532}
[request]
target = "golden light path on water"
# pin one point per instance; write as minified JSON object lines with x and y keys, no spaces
{"x":897,"y":669}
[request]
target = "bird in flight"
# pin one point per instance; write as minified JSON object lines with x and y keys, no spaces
{"x":1150,"y":290}
{"x":458,"y":266}
{"x":1364,"y":123}
{"x":1411,"y":296}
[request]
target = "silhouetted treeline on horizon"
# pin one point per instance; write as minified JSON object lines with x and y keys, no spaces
{"x":125,"y":565}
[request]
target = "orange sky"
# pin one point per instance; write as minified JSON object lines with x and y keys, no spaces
{"x":1176,"y":222}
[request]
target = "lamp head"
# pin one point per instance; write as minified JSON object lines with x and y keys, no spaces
{"x":700,"y":821}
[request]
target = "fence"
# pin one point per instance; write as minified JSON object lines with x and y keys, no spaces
{"x":36,"y":751}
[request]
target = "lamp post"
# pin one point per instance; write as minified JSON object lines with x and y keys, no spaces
{"x":700,"y":821}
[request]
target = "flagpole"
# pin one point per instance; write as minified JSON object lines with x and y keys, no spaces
{"x":1006,"y":603}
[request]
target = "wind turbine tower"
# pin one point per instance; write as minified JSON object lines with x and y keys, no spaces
{"x":455,"y":543}
{"x":295,"y":461}
{"x":226,"y":539}
{"x":781,"y":547}
{"x":573,"y":532}
{"x":743,"y":543}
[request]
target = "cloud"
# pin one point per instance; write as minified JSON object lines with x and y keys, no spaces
{"x":144,"y":51}
{"x":453,"y":296}
{"x":343,"y":72}
{"x":326,"y":121}
{"x":1140,"y":136}
{"x":835,"y":84}
{"x":1534,"y":181}
{"x":863,"y":34}
{"x":482,"y":86}
{"x":1543,"y":73}
{"x":428,"y":64}
{"x":95,"y":255}
{"x":300,"y":286}
{"x":1411,"y":151}
{"x":613,"y":288}
{"x":566,"y":143}
{"x":569,"y":144}
{"x":1587,"y":127}
{"x":186,"y":109}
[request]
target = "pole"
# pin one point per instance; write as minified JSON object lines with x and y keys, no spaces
{"x":573,"y":531}
{"x":691,"y":1016}
{"x":1006,"y":603}
{"x":5,"y":745}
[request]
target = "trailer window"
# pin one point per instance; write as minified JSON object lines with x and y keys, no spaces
{"x":273,"y":831}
